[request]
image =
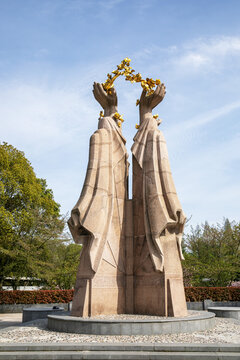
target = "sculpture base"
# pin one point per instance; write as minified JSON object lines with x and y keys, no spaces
{"x":226,"y":311}
{"x":34,"y":313}
{"x":133,"y":325}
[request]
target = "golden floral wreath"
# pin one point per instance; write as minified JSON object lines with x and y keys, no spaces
{"x":125,"y":69}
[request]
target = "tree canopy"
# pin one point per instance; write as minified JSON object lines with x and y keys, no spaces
{"x":31,"y":227}
{"x":212,"y":254}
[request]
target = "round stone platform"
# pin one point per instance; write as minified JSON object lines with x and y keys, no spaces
{"x":226,"y":311}
{"x":34,"y":313}
{"x":134,"y":325}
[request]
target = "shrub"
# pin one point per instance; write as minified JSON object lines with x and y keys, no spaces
{"x":212,"y":293}
{"x":65,"y":296}
{"x":36,"y":296}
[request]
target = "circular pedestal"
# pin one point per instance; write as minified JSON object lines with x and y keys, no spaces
{"x":226,"y":312}
{"x":35,"y":313}
{"x":199,"y":321}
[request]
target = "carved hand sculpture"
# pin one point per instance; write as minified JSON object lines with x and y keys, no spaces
{"x":147,"y":103}
{"x":107,"y":101}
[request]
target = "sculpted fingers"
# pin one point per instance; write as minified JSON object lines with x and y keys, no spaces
{"x":158,"y":90}
{"x":96,"y":92}
{"x":113,"y":94}
{"x":112,"y":98}
{"x":163,"y":90}
{"x":158,"y":95}
{"x":143,"y":96}
{"x":100,"y":94}
{"x":101,"y":90}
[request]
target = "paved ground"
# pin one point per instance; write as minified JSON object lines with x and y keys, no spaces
{"x":226,"y":331}
{"x":10,"y":320}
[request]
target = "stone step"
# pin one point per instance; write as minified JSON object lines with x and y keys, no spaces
{"x":119,"y":351}
{"x":116,"y":355}
{"x":150,"y":347}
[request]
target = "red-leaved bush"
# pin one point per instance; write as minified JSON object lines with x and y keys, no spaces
{"x":65,"y":296}
{"x":212,"y":293}
{"x":35,"y":296}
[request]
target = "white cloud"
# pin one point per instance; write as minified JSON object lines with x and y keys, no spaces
{"x":220,"y":46}
{"x":42,"y":118}
{"x":52,"y":125}
{"x":209,"y":53}
{"x":183,"y":135}
{"x":194,"y":59}
{"x":210,"y":115}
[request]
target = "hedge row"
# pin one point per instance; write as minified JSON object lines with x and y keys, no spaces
{"x":36,"y":296}
{"x":65,"y":296}
{"x":212,"y":293}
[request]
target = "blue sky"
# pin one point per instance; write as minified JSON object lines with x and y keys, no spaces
{"x":51,"y":51}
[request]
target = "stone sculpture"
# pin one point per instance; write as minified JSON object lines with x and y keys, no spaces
{"x":98,"y":219}
{"x":131,"y":256}
{"x":158,"y":220}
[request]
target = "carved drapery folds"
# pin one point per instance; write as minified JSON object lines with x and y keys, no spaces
{"x":92,"y":217}
{"x":128,"y":263}
{"x":162,"y":208}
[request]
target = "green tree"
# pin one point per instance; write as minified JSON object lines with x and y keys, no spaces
{"x":66,"y":261}
{"x":29,"y":219}
{"x":212,"y":254}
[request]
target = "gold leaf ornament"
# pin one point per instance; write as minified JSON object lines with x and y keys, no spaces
{"x":124,"y":68}
{"x":120,"y":119}
{"x":157,"y":119}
